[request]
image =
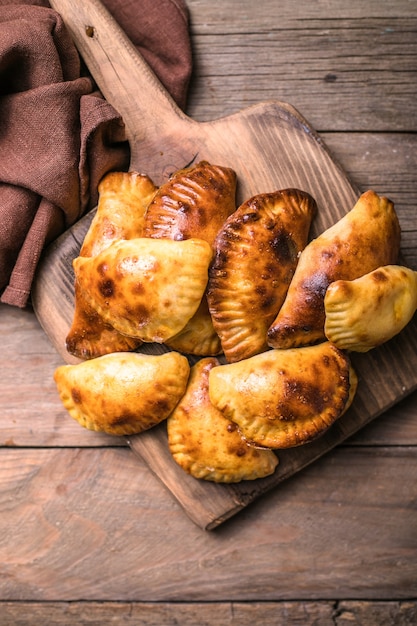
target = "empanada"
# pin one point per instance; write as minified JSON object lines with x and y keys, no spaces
{"x":123,"y":393}
{"x":90,"y":336}
{"x":123,"y":199}
{"x":283,"y":398}
{"x":122,"y":203}
{"x":206,"y":444}
{"x":353,"y":387}
{"x":198,"y":337}
{"x":193,"y":203}
{"x":146,"y":288}
{"x":364,"y":239}
{"x":256,"y":253}
{"x":364,"y":313}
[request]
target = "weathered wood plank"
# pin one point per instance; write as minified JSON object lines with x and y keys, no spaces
{"x":243,"y":15}
{"x":343,"y":69}
{"x":375,"y":613}
{"x":209,"y":614}
{"x":396,"y":427}
{"x":94,"y":524}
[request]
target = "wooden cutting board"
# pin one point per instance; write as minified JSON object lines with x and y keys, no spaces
{"x":270,"y":146}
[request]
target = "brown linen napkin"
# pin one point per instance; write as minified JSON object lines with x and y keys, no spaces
{"x":58,"y":136}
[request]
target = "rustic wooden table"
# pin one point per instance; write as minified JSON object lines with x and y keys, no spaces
{"x":88,"y":535}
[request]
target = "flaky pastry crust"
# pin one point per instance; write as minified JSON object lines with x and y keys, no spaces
{"x":193,"y":203}
{"x":198,"y":337}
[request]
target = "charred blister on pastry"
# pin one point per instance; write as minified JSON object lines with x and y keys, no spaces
{"x":364,"y":239}
{"x":256,"y":253}
{"x":91,"y":336}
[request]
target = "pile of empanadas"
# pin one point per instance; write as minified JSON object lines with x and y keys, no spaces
{"x":257,"y":321}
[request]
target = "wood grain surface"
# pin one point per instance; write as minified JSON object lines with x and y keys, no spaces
{"x":322,"y":613}
{"x":334,"y":544}
{"x":52,"y":507}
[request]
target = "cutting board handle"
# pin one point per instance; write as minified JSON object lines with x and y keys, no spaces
{"x":122,"y":75}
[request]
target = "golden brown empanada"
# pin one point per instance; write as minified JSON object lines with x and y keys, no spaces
{"x":198,"y":336}
{"x":353,"y":387}
{"x":90,"y":336}
{"x":123,"y":393}
{"x":364,"y":313}
{"x":193,"y":203}
{"x":364,"y":239}
{"x":206,"y":444}
{"x":146,"y":288}
{"x":123,"y":199}
{"x":283,"y":398}
{"x":256,"y":253}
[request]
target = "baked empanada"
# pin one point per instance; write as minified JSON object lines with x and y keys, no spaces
{"x":364,"y":313}
{"x":123,"y":199}
{"x":198,"y":337}
{"x":193,"y":203}
{"x":364,"y":239}
{"x":283,"y":398}
{"x":122,"y":203}
{"x":256,"y":253}
{"x":123,"y":393}
{"x":90,"y":336}
{"x":206,"y":444}
{"x":146,"y":288}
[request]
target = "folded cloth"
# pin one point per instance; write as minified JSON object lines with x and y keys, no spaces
{"x":58,"y":136}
